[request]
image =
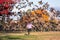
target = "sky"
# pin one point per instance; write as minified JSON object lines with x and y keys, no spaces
{"x":53,"y":3}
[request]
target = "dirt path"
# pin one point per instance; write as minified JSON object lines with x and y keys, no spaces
{"x":32,"y":33}
{"x":40,"y":35}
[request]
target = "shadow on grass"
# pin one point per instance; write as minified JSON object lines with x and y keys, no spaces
{"x":24,"y":37}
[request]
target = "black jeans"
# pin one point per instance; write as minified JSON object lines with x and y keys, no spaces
{"x":28,"y":30}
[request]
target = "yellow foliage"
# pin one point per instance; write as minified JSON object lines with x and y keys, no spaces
{"x":45,"y":17}
{"x":32,"y":12}
{"x":38,"y":11}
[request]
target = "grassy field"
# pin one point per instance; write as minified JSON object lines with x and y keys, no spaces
{"x":32,"y":36}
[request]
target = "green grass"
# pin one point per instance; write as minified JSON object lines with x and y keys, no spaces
{"x":24,"y":37}
{"x":40,"y":36}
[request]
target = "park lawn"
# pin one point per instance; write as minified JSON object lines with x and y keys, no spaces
{"x":33,"y":36}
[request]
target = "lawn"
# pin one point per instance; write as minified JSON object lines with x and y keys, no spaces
{"x":32,"y":36}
